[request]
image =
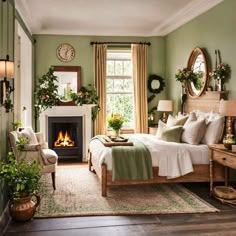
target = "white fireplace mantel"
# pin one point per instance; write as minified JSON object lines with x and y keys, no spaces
{"x":69,"y":111}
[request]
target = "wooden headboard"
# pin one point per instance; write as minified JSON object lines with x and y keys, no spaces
{"x":209,"y":101}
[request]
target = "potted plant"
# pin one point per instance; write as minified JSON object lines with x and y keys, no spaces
{"x":22,"y":179}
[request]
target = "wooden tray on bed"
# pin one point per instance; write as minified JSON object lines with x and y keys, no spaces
{"x":120,"y":141}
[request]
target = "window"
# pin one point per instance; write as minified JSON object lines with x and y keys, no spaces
{"x":119,"y":86}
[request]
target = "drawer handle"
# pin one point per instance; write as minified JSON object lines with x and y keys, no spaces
{"x":224,"y":159}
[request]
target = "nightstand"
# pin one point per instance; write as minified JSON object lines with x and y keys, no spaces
{"x":219,"y":154}
{"x":152,"y":130}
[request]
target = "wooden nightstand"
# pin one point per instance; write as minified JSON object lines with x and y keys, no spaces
{"x":152,"y":130}
{"x":219,"y":154}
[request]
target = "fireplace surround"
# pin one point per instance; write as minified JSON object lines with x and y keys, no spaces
{"x":83,"y":111}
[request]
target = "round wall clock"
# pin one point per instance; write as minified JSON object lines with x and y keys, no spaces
{"x":65,"y":52}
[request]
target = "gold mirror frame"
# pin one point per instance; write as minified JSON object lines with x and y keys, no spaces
{"x":191,"y":61}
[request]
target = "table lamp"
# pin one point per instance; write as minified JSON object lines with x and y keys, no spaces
{"x":165,"y":106}
{"x":228,"y":108}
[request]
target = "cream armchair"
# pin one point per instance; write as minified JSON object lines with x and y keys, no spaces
{"x":36,"y":149}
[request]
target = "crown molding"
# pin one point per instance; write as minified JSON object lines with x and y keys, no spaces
{"x":192,"y":10}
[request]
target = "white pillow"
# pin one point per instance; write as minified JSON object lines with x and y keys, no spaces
{"x":214,"y":130}
{"x":29,"y":133}
{"x":161,"y":125}
{"x":171,"y":121}
{"x":193,"y":130}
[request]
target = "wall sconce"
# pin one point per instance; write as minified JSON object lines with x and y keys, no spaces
{"x":6,"y":71}
{"x":165,"y":106}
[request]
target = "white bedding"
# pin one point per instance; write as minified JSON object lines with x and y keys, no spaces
{"x":173,"y":159}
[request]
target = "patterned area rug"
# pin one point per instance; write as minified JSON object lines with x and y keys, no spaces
{"x":78,"y":193}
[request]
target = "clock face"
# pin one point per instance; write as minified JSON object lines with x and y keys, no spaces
{"x":65,"y":52}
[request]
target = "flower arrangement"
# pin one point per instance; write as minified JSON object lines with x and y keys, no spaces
{"x":87,"y":95}
{"x":115,"y":121}
{"x":185,"y":75}
{"x":220,"y":72}
{"x":46,"y":95}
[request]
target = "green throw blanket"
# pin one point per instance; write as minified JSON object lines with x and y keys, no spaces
{"x":131,"y":162}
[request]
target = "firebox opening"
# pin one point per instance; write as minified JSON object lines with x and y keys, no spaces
{"x":65,"y":137}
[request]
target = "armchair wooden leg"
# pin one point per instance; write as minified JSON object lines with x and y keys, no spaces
{"x":53,"y":180}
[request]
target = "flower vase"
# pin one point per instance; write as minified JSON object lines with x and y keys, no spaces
{"x":116,"y":133}
{"x":218,"y":84}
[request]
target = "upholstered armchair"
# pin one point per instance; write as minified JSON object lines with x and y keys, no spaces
{"x":36,"y":149}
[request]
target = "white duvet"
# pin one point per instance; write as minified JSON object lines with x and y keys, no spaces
{"x":173,"y":159}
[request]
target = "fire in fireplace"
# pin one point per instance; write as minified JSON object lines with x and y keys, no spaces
{"x":64,"y":140}
{"x":65,"y":137}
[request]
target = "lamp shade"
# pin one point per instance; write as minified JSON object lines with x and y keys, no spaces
{"x":227,"y":107}
{"x":165,"y":105}
{"x":6,"y":69}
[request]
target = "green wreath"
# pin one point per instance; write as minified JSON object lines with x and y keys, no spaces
{"x":156,"y":84}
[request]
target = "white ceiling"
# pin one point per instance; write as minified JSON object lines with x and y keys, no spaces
{"x":109,"y":17}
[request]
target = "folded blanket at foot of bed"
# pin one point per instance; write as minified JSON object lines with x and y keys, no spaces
{"x":131,"y":162}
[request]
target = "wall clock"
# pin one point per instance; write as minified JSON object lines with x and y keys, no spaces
{"x":65,"y":52}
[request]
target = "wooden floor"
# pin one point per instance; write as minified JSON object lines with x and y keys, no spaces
{"x":222,"y":223}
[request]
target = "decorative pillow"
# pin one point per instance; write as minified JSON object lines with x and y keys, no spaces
{"x":29,"y":133}
{"x":171,"y":121}
{"x":193,"y":130}
{"x":172,"y":134}
{"x":214,"y":130}
{"x":161,"y":125}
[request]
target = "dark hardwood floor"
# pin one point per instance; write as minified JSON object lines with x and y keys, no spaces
{"x":208,"y":224}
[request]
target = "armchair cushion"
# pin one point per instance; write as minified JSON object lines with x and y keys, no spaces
{"x":29,"y":133}
{"x":49,"y":156}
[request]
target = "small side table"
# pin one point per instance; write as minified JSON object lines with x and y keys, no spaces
{"x":219,"y":154}
{"x":152,"y":130}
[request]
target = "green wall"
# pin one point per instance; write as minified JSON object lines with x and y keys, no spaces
{"x":46,"y":45}
{"x":6,"y":47}
{"x":214,"y":29}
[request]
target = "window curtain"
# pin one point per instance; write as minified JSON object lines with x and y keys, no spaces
{"x":100,"y":60}
{"x":139,"y":60}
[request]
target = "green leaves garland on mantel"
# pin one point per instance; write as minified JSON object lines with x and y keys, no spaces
{"x":46,"y":95}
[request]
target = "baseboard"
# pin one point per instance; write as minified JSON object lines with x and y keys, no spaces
{"x":4,"y":220}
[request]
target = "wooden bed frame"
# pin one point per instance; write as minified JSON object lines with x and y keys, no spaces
{"x":201,"y":174}
{"x":207,"y":102}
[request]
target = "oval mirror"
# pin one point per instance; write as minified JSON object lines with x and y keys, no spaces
{"x":198,"y":63}
{"x":68,"y":81}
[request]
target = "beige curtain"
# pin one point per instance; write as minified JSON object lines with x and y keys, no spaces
{"x":100,"y":58}
{"x":139,"y":60}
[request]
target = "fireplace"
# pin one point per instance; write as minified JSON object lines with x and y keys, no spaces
{"x":65,"y":136}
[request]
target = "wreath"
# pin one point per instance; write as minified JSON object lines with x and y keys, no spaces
{"x":153,"y":89}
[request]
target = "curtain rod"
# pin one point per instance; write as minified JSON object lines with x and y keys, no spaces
{"x":147,"y":43}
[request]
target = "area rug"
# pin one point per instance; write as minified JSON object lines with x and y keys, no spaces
{"x":78,"y":193}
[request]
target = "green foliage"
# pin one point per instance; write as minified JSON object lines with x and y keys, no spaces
{"x":115,"y":121}
{"x":86,"y":95}
{"x":21,"y":142}
{"x":185,"y":75}
{"x":16,"y":124}
{"x":46,"y":95}
{"x":8,"y":105}
{"x":20,"y":176}
{"x":220,"y":72}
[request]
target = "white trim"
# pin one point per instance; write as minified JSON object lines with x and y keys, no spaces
{"x":84,"y":111}
{"x":192,"y":10}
